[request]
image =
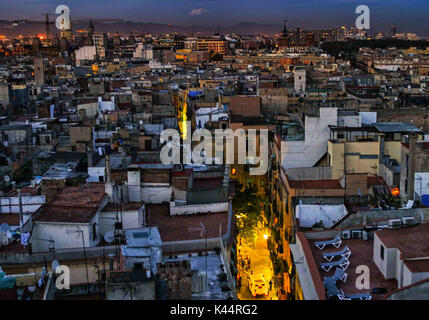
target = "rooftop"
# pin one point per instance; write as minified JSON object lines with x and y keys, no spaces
{"x":180,"y":228}
{"x":74,"y":204}
{"x":411,"y":242}
{"x":362,"y":254}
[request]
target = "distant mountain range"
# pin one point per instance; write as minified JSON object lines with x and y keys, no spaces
{"x":30,"y":28}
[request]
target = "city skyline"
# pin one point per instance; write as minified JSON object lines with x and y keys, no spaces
{"x":309,"y":14}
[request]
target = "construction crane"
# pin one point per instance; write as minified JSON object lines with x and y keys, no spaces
{"x":47,"y":22}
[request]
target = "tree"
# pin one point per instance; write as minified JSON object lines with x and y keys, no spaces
{"x":247,"y":206}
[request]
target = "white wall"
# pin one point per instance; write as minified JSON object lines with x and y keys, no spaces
{"x":86,"y":53}
{"x":29,"y":204}
{"x":387,"y":266}
{"x":156,"y":194}
{"x":410,"y":277}
{"x":206,"y":114}
{"x":299,"y":80}
{"x":423,"y":183}
{"x":198,"y":208}
{"x":302,"y":154}
{"x":59,"y":233}
{"x":131,"y":219}
{"x":94,"y":174}
{"x":106,"y":105}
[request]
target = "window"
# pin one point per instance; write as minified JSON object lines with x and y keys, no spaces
{"x":381,"y":252}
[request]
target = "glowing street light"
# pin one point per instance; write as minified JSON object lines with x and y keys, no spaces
{"x":265,"y":236}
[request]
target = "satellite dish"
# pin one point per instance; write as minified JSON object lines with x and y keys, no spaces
{"x":55,"y":264}
{"x":4,"y":227}
{"x":6,"y":179}
{"x":5,"y":143}
{"x":109,"y":237}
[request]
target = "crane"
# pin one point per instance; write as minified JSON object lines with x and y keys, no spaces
{"x":47,"y":22}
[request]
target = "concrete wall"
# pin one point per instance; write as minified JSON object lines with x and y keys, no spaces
{"x":131,"y":219}
{"x":364,"y":218}
{"x":305,"y":278}
{"x":419,"y":292}
{"x":156,"y":194}
{"x":198,"y":208}
{"x":58,"y":232}
{"x":140,"y":291}
{"x":301,"y":154}
{"x":29,"y":204}
{"x":387,"y":265}
{"x":85,"y":53}
{"x":95,"y":173}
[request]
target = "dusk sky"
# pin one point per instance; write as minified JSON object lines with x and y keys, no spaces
{"x":409,"y":15}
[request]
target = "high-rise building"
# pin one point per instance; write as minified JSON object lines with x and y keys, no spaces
{"x":100,"y":43}
{"x":214,"y":45}
{"x":39,"y":73}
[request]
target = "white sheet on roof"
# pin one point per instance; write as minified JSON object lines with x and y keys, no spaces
{"x":309,"y":214}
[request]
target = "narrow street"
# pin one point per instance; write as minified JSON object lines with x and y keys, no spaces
{"x":260,"y":263}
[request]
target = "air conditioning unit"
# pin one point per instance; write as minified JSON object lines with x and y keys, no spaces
{"x":409,"y":221}
{"x":365,"y":235}
{"x":346,"y":234}
{"x":395,"y":223}
{"x":356,"y":234}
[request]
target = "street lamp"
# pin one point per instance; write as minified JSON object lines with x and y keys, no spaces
{"x":265,"y":236}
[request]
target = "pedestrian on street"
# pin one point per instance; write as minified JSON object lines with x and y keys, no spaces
{"x":271,"y":284}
